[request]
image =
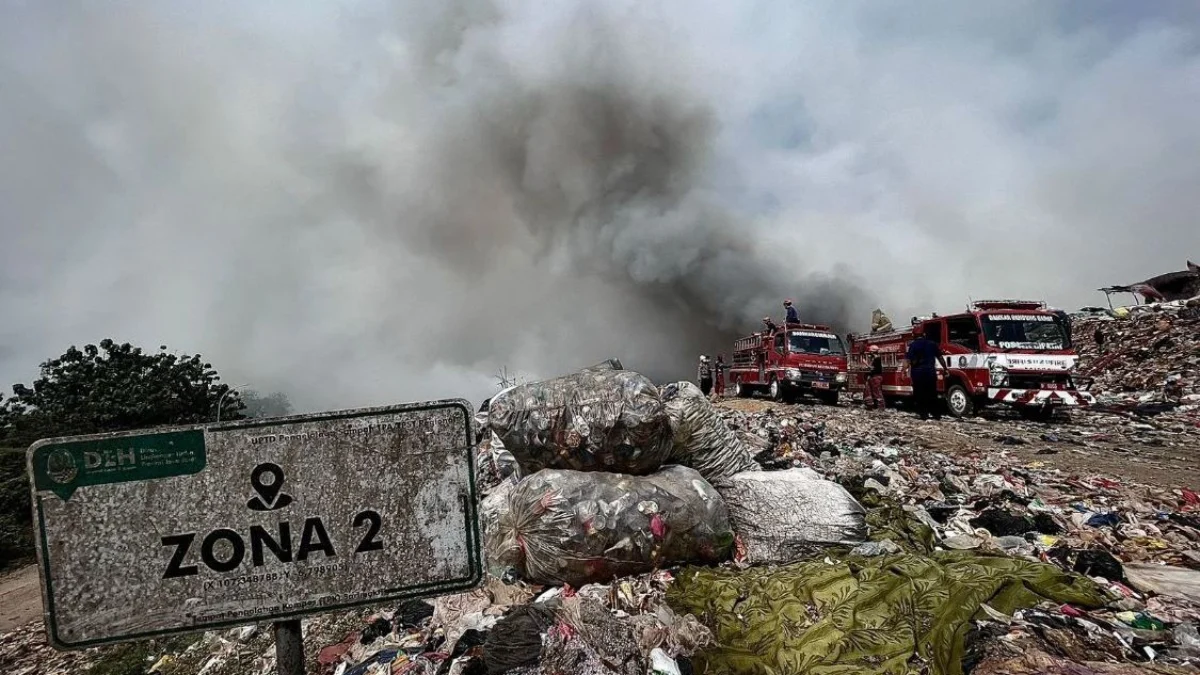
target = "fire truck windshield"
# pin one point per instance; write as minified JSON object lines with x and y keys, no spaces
{"x":814,"y":343}
{"x":1024,"y":331}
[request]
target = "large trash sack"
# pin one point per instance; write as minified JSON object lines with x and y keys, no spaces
{"x":893,"y":614}
{"x":495,"y":502}
{"x":599,"y":419}
{"x":702,"y":440}
{"x":573,"y":527}
{"x":781,"y":516}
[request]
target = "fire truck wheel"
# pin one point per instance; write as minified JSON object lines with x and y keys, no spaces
{"x":740,"y":390}
{"x":959,"y":401}
{"x":775,"y":390}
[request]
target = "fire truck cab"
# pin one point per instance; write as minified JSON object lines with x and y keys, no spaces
{"x":794,"y":360}
{"x":1011,"y":352}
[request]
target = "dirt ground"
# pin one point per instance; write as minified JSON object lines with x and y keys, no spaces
{"x":20,"y":597}
{"x":1082,"y":443}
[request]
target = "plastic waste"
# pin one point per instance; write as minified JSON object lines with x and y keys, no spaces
{"x":1099,"y":563}
{"x":870,"y":549}
{"x":1104,"y":520}
{"x":702,"y":440}
{"x":1140,"y":620}
{"x":661,"y":664}
{"x":516,"y":640}
{"x":598,"y":419}
{"x":573,"y":527}
{"x":1178,"y":582}
{"x":779,"y":516}
{"x":1187,"y":637}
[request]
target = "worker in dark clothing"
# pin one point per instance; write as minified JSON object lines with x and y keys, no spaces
{"x":719,"y":376}
{"x":769,"y":325}
{"x":873,"y":396}
{"x":1066,"y":326}
{"x":792,"y":316}
{"x":705,"y":375}
{"x":924,"y":355}
{"x":1098,"y":336}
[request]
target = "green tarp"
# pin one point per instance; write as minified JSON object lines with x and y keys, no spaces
{"x":894,"y":614}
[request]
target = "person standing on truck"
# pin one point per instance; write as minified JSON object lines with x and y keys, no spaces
{"x":792,"y":316}
{"x":705,"y":375}
{"x":873,"y":396}
{"x":719,"y":376}
{"x":769,"y":326}
{"x":1065,"y":320}
{"x":924,"y":355}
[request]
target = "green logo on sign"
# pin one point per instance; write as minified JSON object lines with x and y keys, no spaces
{"x":64,"y":467}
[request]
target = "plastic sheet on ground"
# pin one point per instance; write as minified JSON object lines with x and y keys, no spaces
{"x":599,"y":419}
{"x":781,"y":516}
{"x":894,"y":614}
{"x":1165,"y":580}
{"x":572,"y":527}
{"x":702,"y":439}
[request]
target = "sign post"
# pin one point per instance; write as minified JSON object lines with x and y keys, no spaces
{"x":145,"y":534}
{"x":289,"y":647}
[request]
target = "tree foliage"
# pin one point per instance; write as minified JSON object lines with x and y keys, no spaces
{"x":114,"y":387}
{"x":275,"y":404}
{"x":16,"y":529}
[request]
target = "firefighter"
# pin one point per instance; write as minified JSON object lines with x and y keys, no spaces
{"x":1098,"y":336}
{"x":924,"y":355}
{"x":873,"y":396}
{"x":792,"y":316}
{"x":1066,"y":325}
{"x":719,"y":376}
{"x":769,"y":326}
{"x":705,"y":375}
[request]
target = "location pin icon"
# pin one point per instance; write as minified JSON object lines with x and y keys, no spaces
{"x":267,"y":481}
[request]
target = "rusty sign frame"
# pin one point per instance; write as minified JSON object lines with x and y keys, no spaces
{"x":402,"y":592}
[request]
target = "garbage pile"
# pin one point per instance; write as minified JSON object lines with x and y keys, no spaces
{"x":1139,"y":545}
{"x":617,"y":477}
{"x":1147,"y":363}
{"x":632,"y":528}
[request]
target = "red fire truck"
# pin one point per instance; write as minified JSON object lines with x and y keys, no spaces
{"x":1013,"y":352}
{"x":796,"y":359}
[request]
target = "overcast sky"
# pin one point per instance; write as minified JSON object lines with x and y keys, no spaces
{"x":362,"y":203}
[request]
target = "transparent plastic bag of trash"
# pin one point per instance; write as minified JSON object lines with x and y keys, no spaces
{"x":599,"y":419}
{"x":702,"y":440}
{"x":781,"y":516}
{"x":573,"y":527}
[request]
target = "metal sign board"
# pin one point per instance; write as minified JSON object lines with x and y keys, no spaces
{"x":144,"y":534}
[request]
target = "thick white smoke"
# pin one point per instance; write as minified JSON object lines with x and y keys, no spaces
{"x":369,"y":202}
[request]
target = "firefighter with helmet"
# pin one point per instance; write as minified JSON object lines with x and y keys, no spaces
{"x":873,"y":396}
{"x":719,"y":369}
{"x":704,"y":373}
{"x":792,"y":316}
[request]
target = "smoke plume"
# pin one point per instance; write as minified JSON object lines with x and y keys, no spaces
{"x":369,"y":202}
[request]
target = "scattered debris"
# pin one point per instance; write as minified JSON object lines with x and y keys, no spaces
{"x":1068,"y":547}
